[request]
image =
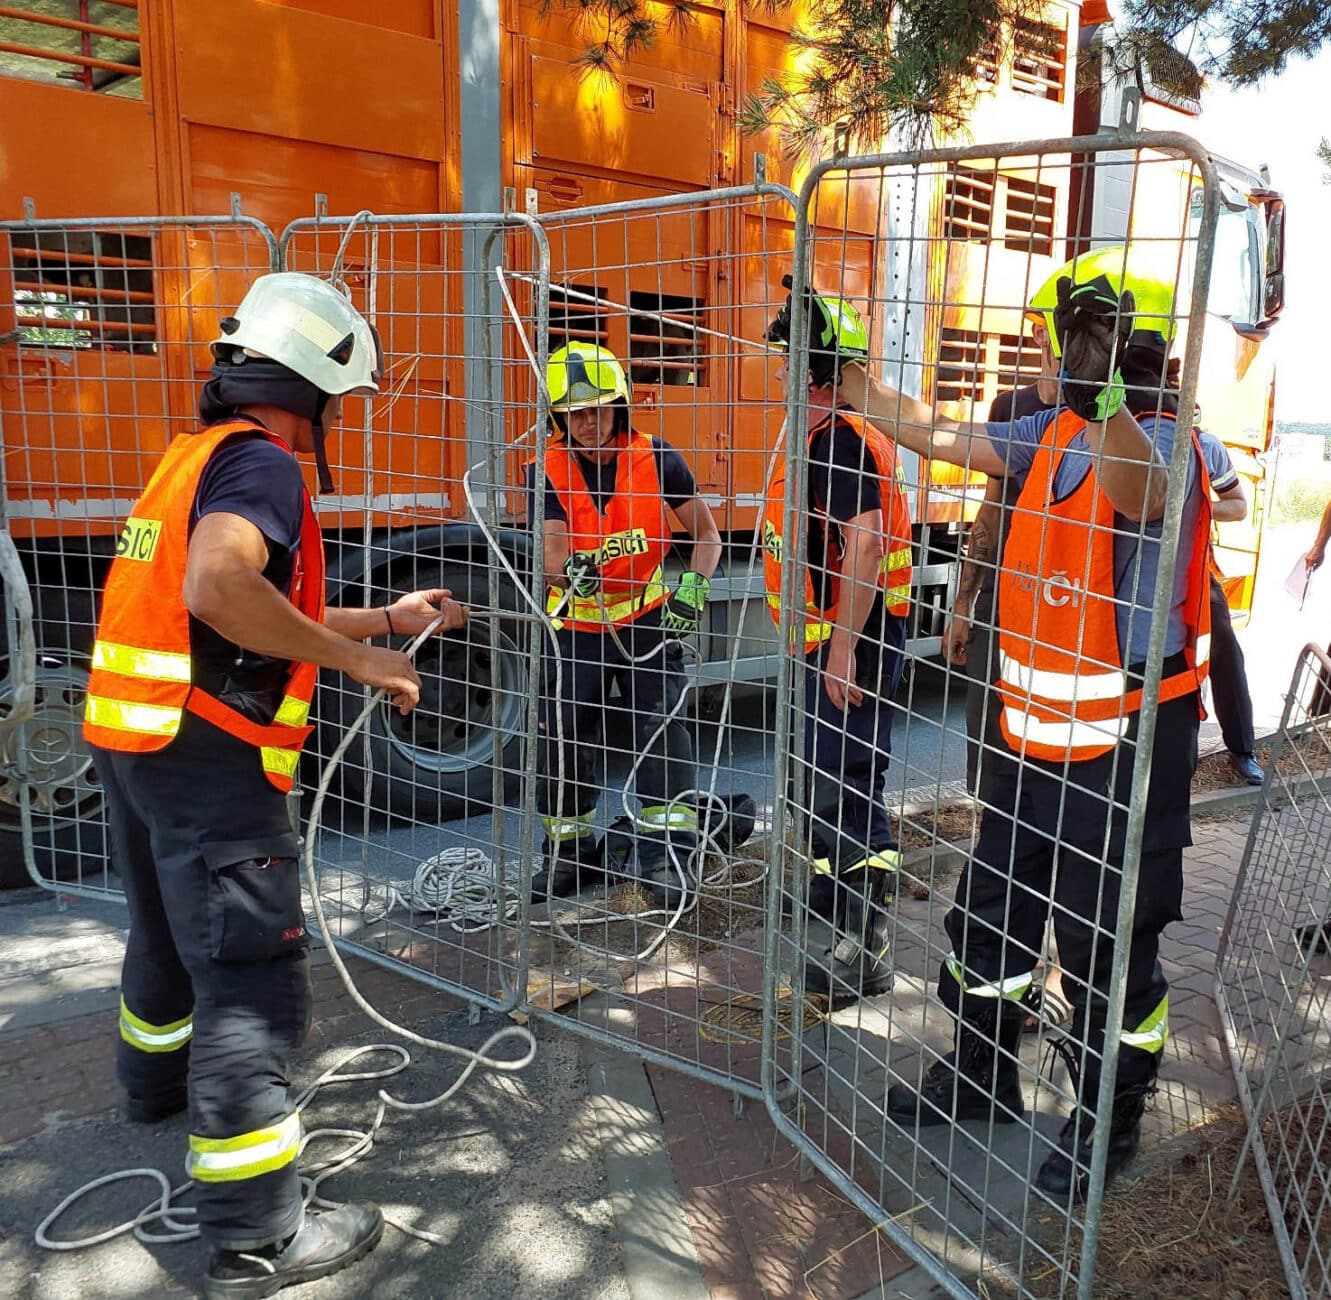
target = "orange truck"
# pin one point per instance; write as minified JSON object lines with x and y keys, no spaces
{"x":123,"y":118}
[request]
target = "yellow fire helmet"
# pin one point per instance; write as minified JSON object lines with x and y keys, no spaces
{"x":585,"y":374}
{"x":1150,"y":274}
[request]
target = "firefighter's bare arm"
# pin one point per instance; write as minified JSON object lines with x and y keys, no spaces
{"x":914,"y":424}
{"x":700,"y":524}
{"x":1317,"y":555}
{"x":1128,"y":468}
{"x":1230,"y":505}
{"x":555,"y":550}
{"x":225,"y":588}
{"x":409,"y":615}
{"x":860,"y":565}
{"x":981,"y":554}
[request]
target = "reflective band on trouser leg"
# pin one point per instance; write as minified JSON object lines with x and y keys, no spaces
{"x":560,"y":829}
{"x":130,"y":661}
{"x":1013,"y":988}
{"x":137,"y":1032}
{"x":658,"y":817}
{"x":883,"y":860}
{"x":123,"y":715}
{"x":248,"y":1155}
{"x":1153,"y":1032}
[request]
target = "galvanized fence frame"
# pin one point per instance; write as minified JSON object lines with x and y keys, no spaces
{"x":484,"y":957}
{"x":1270,"y":980}
{"x":63,"y":849}
{"x":947,"y":1255}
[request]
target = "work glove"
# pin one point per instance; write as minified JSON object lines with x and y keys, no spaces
{"x":1093,"y":327}
{"x":683,"y":611}
{"x":583,"y":574}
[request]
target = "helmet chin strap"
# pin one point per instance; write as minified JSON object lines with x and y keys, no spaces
{"x":325,"y":474}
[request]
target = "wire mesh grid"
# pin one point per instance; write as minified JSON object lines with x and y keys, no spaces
{"x":959,"y":1111}
{"x":421,"y":853}
{"x":659,"y":743}
{"x":104,"y":327}
{"x":1271,"y":980}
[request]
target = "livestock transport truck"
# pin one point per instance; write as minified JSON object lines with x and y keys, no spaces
{"x":157,"y":156}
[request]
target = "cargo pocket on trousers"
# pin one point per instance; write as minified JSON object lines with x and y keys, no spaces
{"x":254,"y":908}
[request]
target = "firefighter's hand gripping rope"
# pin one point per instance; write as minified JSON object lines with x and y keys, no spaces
{"x":176,"y":1220}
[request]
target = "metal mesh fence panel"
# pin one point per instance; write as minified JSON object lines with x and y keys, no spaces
{"x":1270,"y":979}
{"x":971,"y":944}
{"x":421,"y":851}
{"x":104,"y":332}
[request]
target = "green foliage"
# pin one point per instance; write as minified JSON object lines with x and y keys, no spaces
{"x":1300,"y":497}
{"x":1324,"y":157}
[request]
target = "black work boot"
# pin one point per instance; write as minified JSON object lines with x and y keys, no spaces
{"x":657,"y":869}
{"x":568,"y":867}
{"x":157,"y":1107}
{"x":328,"y":1241}
{"x":973,"y":1081}
{"x":1066,"y":1172}
{"x":859,"y":963}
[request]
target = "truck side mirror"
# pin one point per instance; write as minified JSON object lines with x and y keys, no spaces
{"x":1273,"y":289}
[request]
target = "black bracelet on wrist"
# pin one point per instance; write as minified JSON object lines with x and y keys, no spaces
{"x":388,"y":618}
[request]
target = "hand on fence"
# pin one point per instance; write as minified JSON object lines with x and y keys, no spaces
{"x":389,"y":670}
{"x":411,"y":614}
{"x":684,"y":610}
{"x":1093,"y":329}
{"x":583,"y":574}
{"x":956,"y":637}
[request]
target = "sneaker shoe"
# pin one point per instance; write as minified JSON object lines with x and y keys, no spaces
{"x":328,"y":1242}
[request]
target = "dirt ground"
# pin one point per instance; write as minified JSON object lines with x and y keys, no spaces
{"x":1174,"y":1232}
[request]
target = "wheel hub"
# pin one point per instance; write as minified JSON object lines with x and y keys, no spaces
{"x":56,"y":766}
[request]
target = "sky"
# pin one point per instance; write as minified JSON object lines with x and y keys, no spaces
{"x":1279,"y":123}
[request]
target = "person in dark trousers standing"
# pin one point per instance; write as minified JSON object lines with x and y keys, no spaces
{"x":1229,"y":677}
{"x":855,"y":583}
{"x":211,"y":634}
{"x":1080,"y":570}
{"x":604,"y":541}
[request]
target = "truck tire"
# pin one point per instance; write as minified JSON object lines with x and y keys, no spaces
{"x":437,"y":762}
{"x":68,"y":809}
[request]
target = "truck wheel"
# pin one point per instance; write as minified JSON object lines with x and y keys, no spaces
{"x":68,"y":808}
{"x":436,"y":762}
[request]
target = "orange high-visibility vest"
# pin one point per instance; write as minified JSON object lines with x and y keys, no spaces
{"x":894,"y":573}
{"x":628,"y":543}
{"x":142,"y":669}
{"x":1061,"y":675}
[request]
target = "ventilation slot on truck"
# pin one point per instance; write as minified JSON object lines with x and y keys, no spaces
{"x":84,"y":289}
{"x":975,"y":367}
{"x":1039,"y":59}
{"x":968,"y":203}
{"x":1029,"y":217}
{"x":575,"y":317}
{"x":664,"y":344}
{"x":93,"y":45}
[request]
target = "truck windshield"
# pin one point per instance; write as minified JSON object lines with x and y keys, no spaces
{"x":1236,"y":270}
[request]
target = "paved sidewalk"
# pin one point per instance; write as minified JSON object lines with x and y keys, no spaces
{"x":590,"y":1175}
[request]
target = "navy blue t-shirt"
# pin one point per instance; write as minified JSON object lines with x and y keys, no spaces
{"x":256,"y":479}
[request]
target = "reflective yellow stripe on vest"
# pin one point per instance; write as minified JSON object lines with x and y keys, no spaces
{"x":130,"y":661}
{"x":1070,"y":687}
{"x":616,"y":611}
{"x":1153,"y":1032}
{"x":121,"y":715}
{"x":138,"y":1033}
{"x":1014,"y":987}
{"x":292,"y":712}
{"x":231,"y":1160}
{"x":281,"y":761}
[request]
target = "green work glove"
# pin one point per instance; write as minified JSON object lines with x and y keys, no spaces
{"x":1093,"y":329}
{"x":583,"y":574}
{"x":683,"y":611}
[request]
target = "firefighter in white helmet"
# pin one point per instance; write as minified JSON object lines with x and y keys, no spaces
{"x":212,"y":631}
{"x":604,"y":541}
